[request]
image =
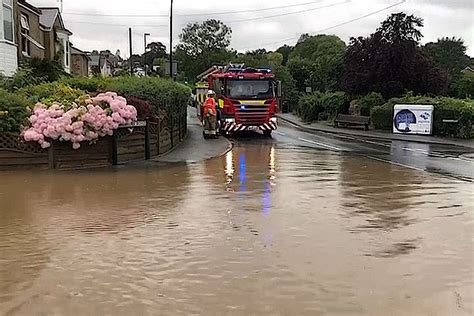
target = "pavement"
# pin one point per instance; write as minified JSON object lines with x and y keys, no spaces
{"x":295,"y":121}
{"x":195,"y":148}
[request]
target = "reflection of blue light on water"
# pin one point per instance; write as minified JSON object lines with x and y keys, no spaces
{"x":242,"y":171}
{"x":267,"y":200}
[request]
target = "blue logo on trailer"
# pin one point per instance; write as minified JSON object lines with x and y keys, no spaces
{"x":405,"y":117}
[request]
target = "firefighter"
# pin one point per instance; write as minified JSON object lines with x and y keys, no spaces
{"x":209,"y":115}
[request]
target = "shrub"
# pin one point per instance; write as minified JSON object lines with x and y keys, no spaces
{"x":144,"y":109}
{"x":309,"y":107}
{"x":48,"y":93}
{"x":90,"y":85}
{"x":368,"y":102}
{"x":334,"y":103}
{"x":49,"y":70}
{"x":322,"y":106}
{"x":87,"y":121}
{"x":162,"y":94}
{"x":444,"y":108}
{"x":24,"y":77}
{"x":13,"y":111}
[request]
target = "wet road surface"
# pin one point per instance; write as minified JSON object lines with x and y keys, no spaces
{"x":300,"y":224}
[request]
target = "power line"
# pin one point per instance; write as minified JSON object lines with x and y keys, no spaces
{"x":194,"y":14}
{"x":288,"y":13}
{"x":334,"y":26}
{"x":254,"y":10}
{"x":118,"y":15}
{"x":113,"y":24}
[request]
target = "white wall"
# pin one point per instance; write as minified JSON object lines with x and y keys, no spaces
{"x":8,"y":52}
{"x":8,"y":58}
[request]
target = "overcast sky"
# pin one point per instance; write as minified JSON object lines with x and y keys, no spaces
{"x":260,"y":26}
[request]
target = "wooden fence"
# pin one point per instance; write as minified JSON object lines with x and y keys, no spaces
{"x":141,"y":141}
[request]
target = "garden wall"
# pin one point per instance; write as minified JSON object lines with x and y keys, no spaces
{"x":142,"y":141}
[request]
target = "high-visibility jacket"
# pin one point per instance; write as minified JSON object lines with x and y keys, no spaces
{"x":210,"y":107}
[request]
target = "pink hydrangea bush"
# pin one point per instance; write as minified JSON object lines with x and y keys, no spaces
{"x":96,"y":117}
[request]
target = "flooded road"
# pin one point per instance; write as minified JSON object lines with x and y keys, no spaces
{"x":273,"y":227}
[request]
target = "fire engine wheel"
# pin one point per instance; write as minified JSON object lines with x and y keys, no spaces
{"x":267,"y":134}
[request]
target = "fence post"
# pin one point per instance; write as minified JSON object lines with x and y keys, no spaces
{"x":158,"y":132}
{"x":114,"y":150}
{"x":51,"y":158}
{"x":171,"y":131}
{"x":147,"y":141}
{"x":180,"y":124}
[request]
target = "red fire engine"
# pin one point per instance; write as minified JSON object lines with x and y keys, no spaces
{"x":247,"y":97}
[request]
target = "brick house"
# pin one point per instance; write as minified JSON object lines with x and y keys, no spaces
{"x":8,"y":45}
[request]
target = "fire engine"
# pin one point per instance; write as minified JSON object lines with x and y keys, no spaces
{"x":247,"y":97}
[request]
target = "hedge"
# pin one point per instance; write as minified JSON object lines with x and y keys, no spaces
{"x":160,"y":96}
{"x":13,"y":111}
{"x":368,"y":102}
{"x":322,"y":106}
{"x":444,"y":109}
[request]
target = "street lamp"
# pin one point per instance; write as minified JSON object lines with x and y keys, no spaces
{"x":145,"y":35}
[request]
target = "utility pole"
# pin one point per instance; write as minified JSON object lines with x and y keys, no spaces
{"x":171,"y":41}
{"x":131,"y":50}
{"x":144,"y":53}
{"x":61,"y":1}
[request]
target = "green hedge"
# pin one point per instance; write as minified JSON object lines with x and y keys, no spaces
{"x":444,"y":109}
{"x":48,"y":93}
{"x":163,"y":94}
{"x":322,"y":106}
{"x":368,"y":102}
{"x":13,"y":111}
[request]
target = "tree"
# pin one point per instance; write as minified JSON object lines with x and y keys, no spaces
{"x":210,"y":35}
{"x":400,"y":27}
{"x":391,"y":62}
{"x":317,"y":61}
{"x":449,"y":55}
{"x":285,"y":50}
{"x":203,"y":45}
{"x":155,"y":50}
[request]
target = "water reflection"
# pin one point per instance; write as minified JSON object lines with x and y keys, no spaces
{"x":264,"y":221}
{"x":380,"y":193}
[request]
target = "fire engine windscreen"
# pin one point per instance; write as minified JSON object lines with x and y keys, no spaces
{"x":250,"y":89}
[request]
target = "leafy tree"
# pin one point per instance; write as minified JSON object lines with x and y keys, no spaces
{"x":285,"y":50}
{"x":465,"y":86}
{"x":400,"y":27}
{"x":301,"y":70}
{"x":317,"y":61}
{"x":391,"y":62}
{"x":203,"y":45}
{"x":449,"y":54}
{"x":210,"y":35}
{"x":154,"y":50}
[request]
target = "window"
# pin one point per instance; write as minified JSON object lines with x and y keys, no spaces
{"x":8,"y":20}
{"x":25,"y":32}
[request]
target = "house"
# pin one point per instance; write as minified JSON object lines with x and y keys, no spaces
{"x":79,"y":62}
{"x":29,"y":36}
{"x":468,"y":70}
{"x":100,"y":65}
{"x":56,"y":37}
{"x":8,"y":48}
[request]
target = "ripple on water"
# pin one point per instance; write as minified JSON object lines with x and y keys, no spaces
{"x":264,"y":230}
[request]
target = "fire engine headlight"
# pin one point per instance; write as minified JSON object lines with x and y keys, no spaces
{"x":230,"y":120}
{"x":274,"y":120}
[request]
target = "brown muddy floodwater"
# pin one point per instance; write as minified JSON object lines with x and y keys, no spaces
{"x":263,"y":230}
